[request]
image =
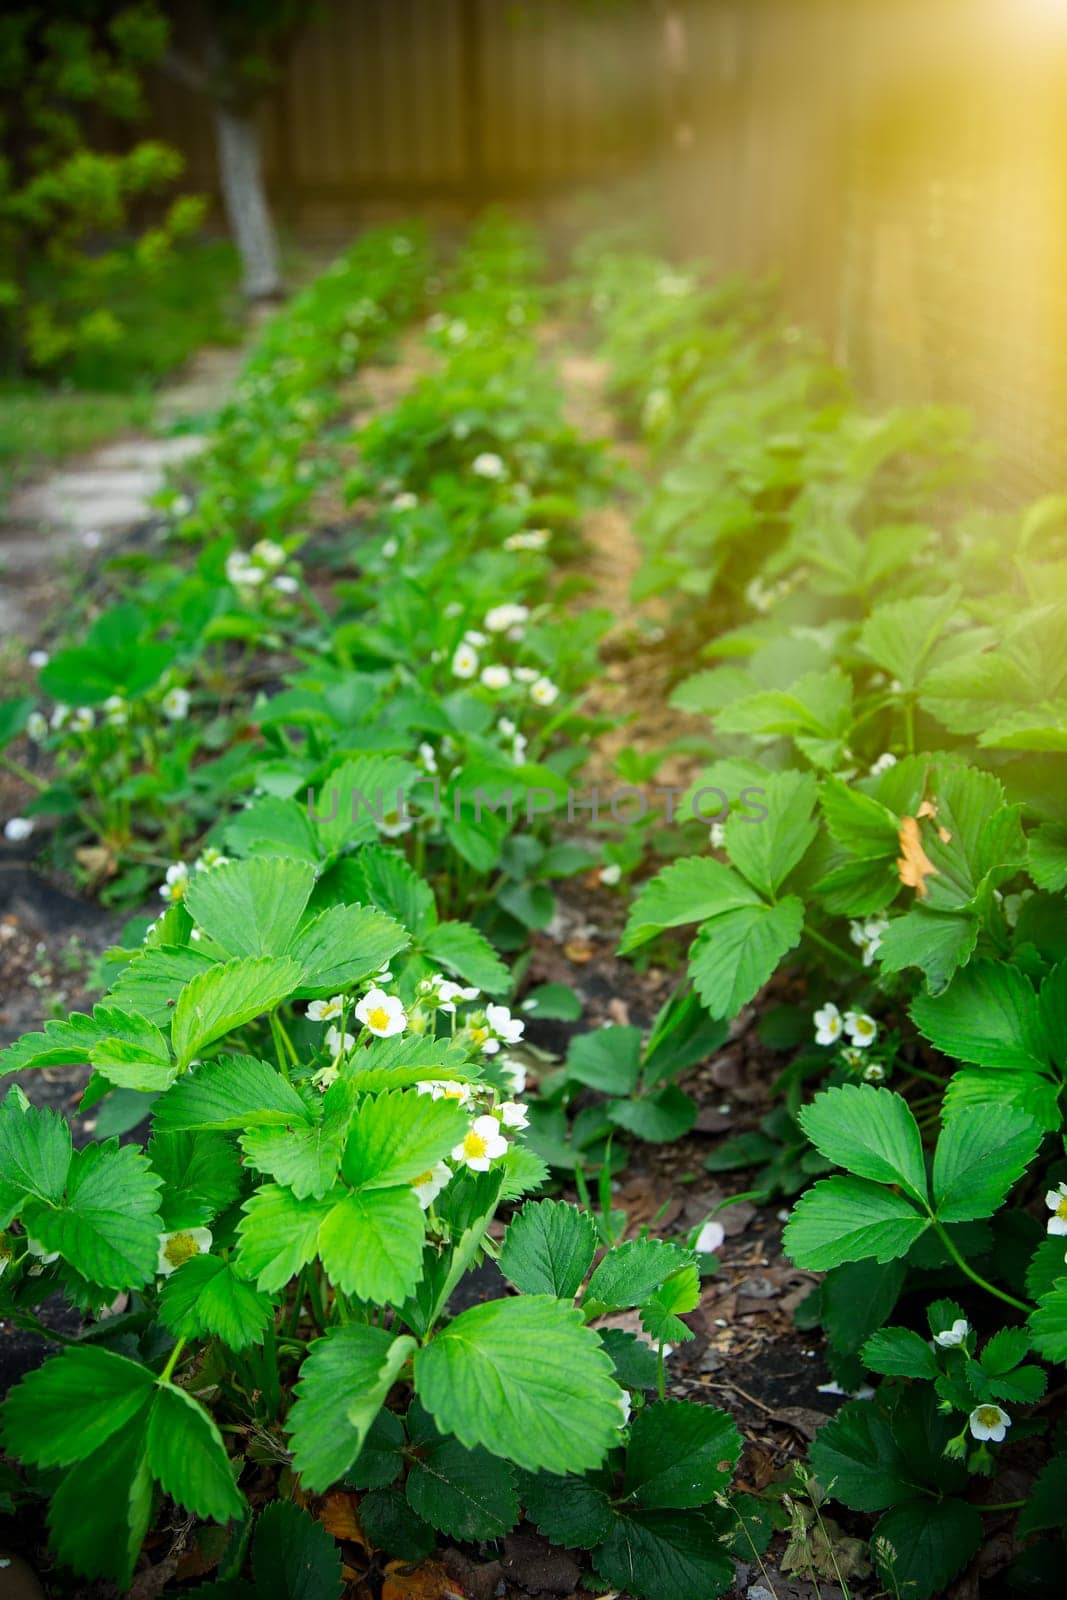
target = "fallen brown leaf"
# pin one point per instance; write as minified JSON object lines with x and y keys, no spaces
{"x":914,"y":865}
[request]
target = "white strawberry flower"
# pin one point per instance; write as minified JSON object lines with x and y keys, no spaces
{"x":861,"y":1029}
{"x":515,"y":1072}
{"x":18,"y":829}
{"x":60,"y":716}
{"x":176,"y":705}
{"x":268,"y":553}
{"x":394,"y":823}
{"x":36,"y":727}
{"x":518,"y":749}
{"x":611,"y":873}
{"x":710,"y":1238}
{"x":175,"y":883}
{"x":390,"y":549}
{"x":512,"y":1115}
{"x":428,"y":1185}
{"x":427,"y":757}
{"x":445,"y":1089}
{"x":210,"y":856}
{"x":500,"y":618}
{"x":530,"y":539}
{"x":886,"y":760}
{"x":526,"y":674}
{"x":175,"y":1249}
{"x":496,"y":677}
{"x":464,"y":661}
{"x":40,"y":1253}
{"x":989,"y":1422}
{"x":625,"y":1405}
{"x":874,"y":1072}
{"x":285,"y":584}
{"x":489,"y":465}
{"x":952,"y":1338}
{"x":483,"y":1144}
{"x":82,"y":719}
{"x":1056,"y":1200}
{"x":326,"y":1010}
{"x":39,"y":659}
{"x":475,"y":637}
{"x":382,"y":1013}
{"x":405,"y":501}
{"x":828,"y":1024}
{"x":717,"y":835}
{"x":544,"y":692}
{"x":506,"y":1028}
{"x":338,"y":1043}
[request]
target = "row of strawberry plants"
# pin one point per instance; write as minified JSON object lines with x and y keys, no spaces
{"x":334,"y":1082}
{"x":885,"y":668}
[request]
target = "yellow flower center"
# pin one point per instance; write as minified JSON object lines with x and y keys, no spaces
{"x":179,"y":1248}
{"x":474,"y":1146}
{"x":423,"y":1177}
{"x":378,"y":1018}
{"x":479,"y":1035}
{"x":1061,"y":1209}
{"x":454,"y":1091}
{"x":989,"y":1416}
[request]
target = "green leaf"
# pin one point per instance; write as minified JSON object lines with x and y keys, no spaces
{"x":1048,"y":1324}
{"x":680,"y":1455}
{"x":548,"y":1249}
{"x":636,"y":1363}
{"x":201,"y":1176}
{"x":858,"y":823}
{"x":346,"y":807}
{"x":461,"y":949}
{"x":466,"y":1494}
{"x":871,"y":1132}
{"x":665,"y":1555}
{"x":570,"y":1512}
{"x":735,"y":954}
{"x":206,"y":1298}
{"x":60,"y":1044}
{"x":899,"y":1353}
{"x":848,"y":1219}
{"x":608,"y":1059}
{"x":1004,"y":1350}
{"x":67,"y":1408}
{"x":273,"y":827}
{"x":108,"y":1227}
{"x":116,"y":1483}
{"x":381,"y":1458}
{"x":342,"y":946}
{"x":552,"y":1002}
{"x":231,"y":1093}
{"x":14,"y":714}
{"x":856,"y":1459}
{"x":155,"y":978}
{"x":526,"y":1379}
{"x":226,"y":997}
{"x":630,"y":1272}
{"x":383,"y":878}
{"x":279,"y":1235}
{"x":306,"y":1158}
{"x":251,"y":908}
{"x":854,"y":1300}
{"x":988,"y":1016}
{"x":397,"y":1136}
{"x":1048,"y":857}
{"x":1046,"y":1500}
{"x":980,"y":1154}
{"x":141,"y":1060}
{"x":766,"y":851}
{"x":371,"y":1244}
{"x":661,"y":1311}
{"x":293,"y":1556}
{"x":35,"y":1152}
{"x":1030,"y":1093}
{"x":392,"y":1526}
{"x":689,"y":890}
{"x":940,"y":942}
{"x":921,"y":1546}
{"x":344,"y":1382}
{"x":900,"y":635}
{"x":187,"y":1455}
{"x":658,"y":1118}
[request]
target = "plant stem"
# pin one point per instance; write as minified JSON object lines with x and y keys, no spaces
{"x":172,"y":1361}
{"x":1004,"y":1505}
{"x":24,"y":773}
{"x":834,"y":949}
{"x":276,"y":1034}
{"x":983,"y":1283}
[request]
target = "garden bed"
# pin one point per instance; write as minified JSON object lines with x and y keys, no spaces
{"x":477,"y":1224}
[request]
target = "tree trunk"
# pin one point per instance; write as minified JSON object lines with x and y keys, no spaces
{"x":241,"y":175}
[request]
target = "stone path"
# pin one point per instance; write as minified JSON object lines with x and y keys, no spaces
{"x":55,"y":527}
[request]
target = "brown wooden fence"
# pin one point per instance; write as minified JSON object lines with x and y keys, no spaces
{"x":901,"y":163}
